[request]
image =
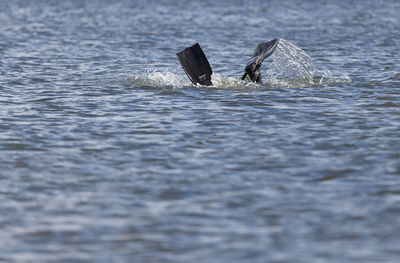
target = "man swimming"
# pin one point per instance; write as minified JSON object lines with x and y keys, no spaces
{"x":198,"y":69}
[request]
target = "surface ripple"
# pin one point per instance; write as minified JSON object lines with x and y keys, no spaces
{"x":109,"y":154}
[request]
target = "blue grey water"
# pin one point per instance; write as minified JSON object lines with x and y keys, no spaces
{"x":109,"y":154}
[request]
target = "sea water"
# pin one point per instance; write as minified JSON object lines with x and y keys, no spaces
{"x":108,"y":153}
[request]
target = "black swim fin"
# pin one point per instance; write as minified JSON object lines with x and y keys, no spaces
{"x":262,"y":51}
{"x":195,"y":64}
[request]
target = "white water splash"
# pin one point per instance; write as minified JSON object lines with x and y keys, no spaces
{"x":157,"y":79}
{"x":292,"y":66}
{"x":327,"y":77}
{"x":291,"y":62}
{"x":231,"y":82}
{"x":161,"y":79}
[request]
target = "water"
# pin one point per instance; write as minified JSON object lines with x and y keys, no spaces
{"x":109,"y":154}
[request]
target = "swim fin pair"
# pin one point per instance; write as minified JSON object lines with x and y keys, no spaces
{"x":198,"y":69}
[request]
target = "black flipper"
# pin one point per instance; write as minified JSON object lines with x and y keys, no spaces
{"x":195,"y":64}
{"x":262,"y":51}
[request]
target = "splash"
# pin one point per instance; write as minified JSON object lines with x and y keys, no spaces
{"x":157,"y":79}
{"x":291,"y":62}
{"x":231,"y":82}
{"x":160,"y":79}
{"x":325,"y":77}
{"x":292,"y":66}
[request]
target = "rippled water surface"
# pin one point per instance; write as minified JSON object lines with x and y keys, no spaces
{"x":109,"y":154}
